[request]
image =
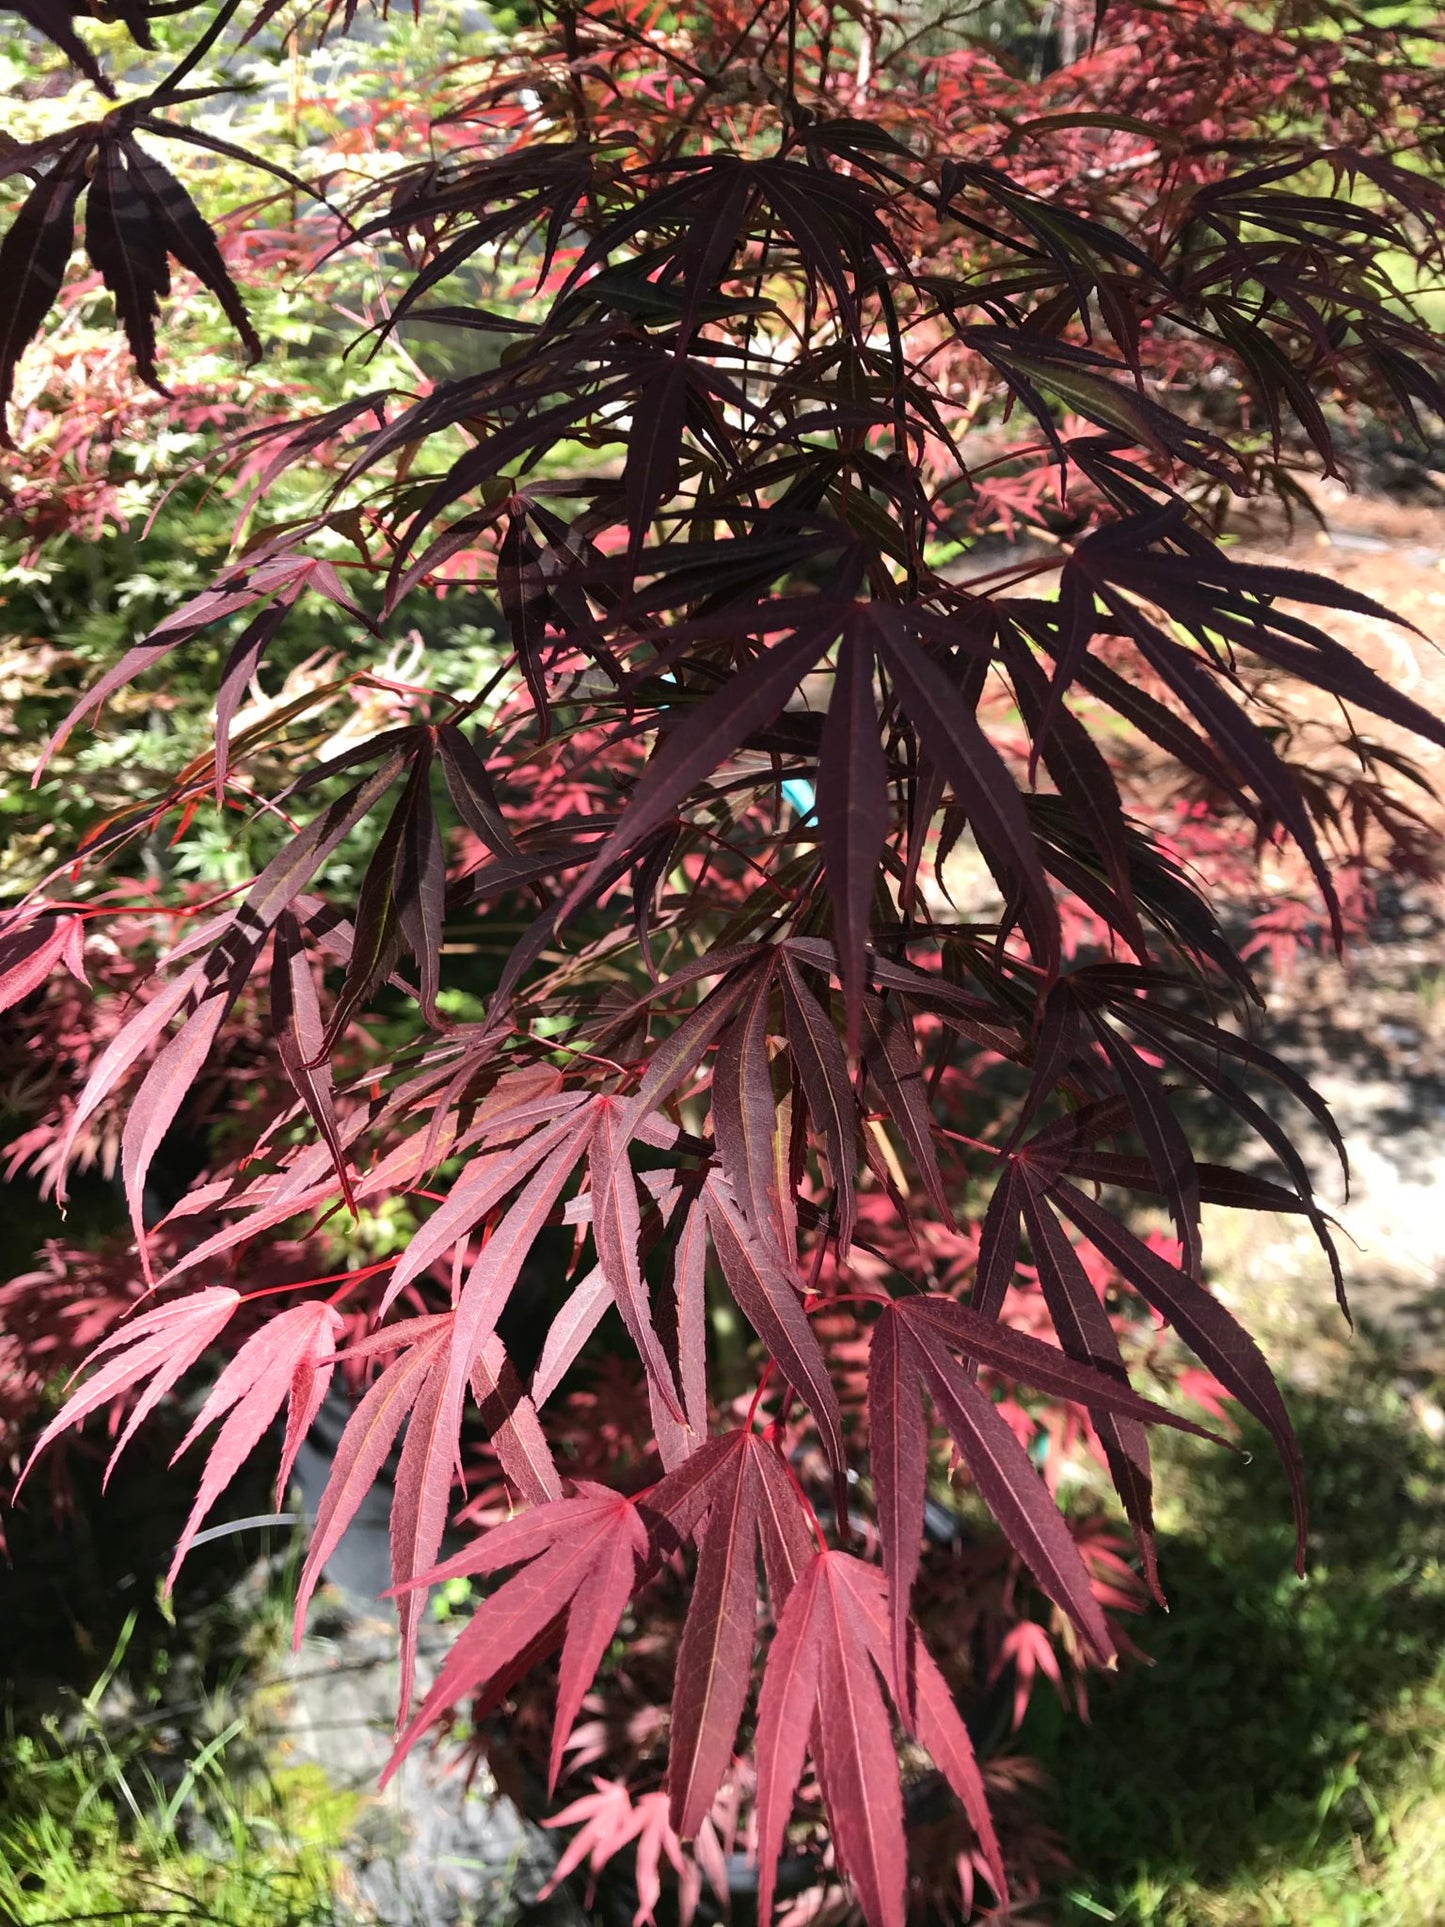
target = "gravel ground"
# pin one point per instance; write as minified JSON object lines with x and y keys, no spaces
{"x":437,"y":1848}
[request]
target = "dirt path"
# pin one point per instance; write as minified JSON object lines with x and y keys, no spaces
{"x":1370,"y":1032}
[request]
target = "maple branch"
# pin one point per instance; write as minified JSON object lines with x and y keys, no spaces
{"x":164,"y":95}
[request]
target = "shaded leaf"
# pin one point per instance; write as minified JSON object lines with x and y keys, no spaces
{"x":893,"y":1063}
{"x":744,"y":1113}
{"x":950,"y":732}
{"x":122,"y":240}
{"x":191,"y":241}
{"x":33,"y":260}
{"x":1215,"y":1337}
{"x":939,"y":1727}
{"x":823,"y":1071}
{"x":714,"y":1660}
{"x":617,"y":1228}
{"x":296,"y":1020}
{"x":821,"y":1681}
{"x":1086,"y":1333}
{"x":705,"y":736}
{"x":770,"y":1301}
{"x":1016,"y":1496}
{"x":898,"y":1459}
{"x":852,"y":814}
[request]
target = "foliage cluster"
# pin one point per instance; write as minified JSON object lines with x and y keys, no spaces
{"x":788,"y":946}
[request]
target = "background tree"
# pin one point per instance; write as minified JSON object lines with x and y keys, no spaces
{"x":780,"y":947}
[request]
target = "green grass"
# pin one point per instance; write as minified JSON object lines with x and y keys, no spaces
{"x":90,"y":1847}
{"x":1282,"y":1761}
{"x":125,"y":1808}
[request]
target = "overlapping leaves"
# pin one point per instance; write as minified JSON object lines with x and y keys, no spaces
{"x":138,"y":219}
{"x":745,"y":728}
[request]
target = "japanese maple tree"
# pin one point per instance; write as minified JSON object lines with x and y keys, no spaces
{"x":778,"y":949}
